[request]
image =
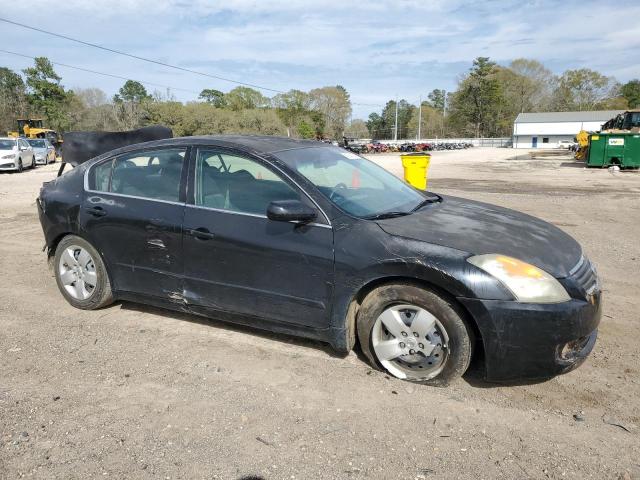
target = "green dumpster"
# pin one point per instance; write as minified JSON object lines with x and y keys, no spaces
{"x":610,"y":148}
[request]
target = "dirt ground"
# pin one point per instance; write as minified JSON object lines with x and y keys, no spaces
{"x":135,"y":392}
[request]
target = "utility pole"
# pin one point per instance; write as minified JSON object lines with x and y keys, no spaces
{"x":444,"y":107}
{"x":444,"y":111}
{"x":395,"y":128}
{"x":418,"y":137}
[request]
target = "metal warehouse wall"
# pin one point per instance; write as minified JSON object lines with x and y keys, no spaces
{"x":555,"y":128}
{"x":526,"y":141}
{"x":524,"y":133}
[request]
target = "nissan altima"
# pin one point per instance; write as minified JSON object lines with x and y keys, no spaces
{"x":308,"y":239}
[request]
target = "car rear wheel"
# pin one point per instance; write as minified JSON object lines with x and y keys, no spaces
{"x":414,"y":334}
{"x":81,"y":275}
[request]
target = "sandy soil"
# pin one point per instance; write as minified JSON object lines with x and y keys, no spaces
{"x":134,"y":392}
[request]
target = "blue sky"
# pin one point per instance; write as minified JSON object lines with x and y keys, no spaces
{"x":376,"y":49}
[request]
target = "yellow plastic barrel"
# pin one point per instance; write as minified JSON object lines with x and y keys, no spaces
{"x":416,"y":166}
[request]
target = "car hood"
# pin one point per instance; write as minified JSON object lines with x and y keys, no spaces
{"x":42,"y":150}
{"x":480,"y":228}
{"x":6,"y":152}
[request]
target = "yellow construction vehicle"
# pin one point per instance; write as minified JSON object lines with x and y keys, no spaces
{"x":583,"y":144}
{"x":34,"y":128}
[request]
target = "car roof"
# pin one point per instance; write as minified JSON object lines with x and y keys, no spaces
{"x":261,"y":143}
{"x":248,"y":143}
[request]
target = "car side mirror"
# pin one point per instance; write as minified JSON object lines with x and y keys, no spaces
{"x":290,"y":211}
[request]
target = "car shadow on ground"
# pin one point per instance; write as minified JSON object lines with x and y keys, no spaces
{"x":232,"y":327}
{"x":475,"y":375}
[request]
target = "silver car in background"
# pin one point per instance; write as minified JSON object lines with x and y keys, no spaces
{"x":43,"y":149}
{"x":16,"y":154}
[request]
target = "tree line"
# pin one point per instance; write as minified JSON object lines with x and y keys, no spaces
{"x":38,"y":92}
{"x":489,"y":97}
{"x":485,"y":103}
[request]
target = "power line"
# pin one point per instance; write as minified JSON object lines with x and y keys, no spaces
{"x":149,"y":60}
{"x":101,"y":73}
{"x":137,"y":57}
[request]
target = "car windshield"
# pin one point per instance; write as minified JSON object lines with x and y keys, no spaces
{"x":37,"y":143}
{"x":356,"y":185}
{"x":7,"y":144}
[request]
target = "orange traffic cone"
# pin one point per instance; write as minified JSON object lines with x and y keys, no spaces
{"x":355,"y":178}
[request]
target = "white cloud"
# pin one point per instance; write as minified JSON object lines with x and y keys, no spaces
{"x":375,"y":48}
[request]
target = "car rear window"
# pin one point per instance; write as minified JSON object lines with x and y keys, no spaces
{"x":151,"y":174}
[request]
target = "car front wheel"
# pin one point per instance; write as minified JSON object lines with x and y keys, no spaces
{"x":33,"y":162}
{"x":20,"y":166}
{"x":414,"y":334}
{"x":81,"y":275}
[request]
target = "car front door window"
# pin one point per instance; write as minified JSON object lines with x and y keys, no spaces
{"x":237,"y":184}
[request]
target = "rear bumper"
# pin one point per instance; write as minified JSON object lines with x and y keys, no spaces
{"x":530,"y":341}
{"x":45,"y":223}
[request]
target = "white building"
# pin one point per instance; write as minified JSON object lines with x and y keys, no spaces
{"x":546,"y":129}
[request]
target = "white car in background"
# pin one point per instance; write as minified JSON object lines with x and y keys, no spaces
{"x":16,"y":154}
{"x":43,"y":149}
{"x":566,"y":144}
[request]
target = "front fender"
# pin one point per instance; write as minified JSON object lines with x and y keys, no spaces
{"x":366,"y":256}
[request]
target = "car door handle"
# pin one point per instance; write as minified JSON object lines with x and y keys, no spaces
{"x":96,"y":211}
{"x":156,"y":242}
{"x":200,"y":233}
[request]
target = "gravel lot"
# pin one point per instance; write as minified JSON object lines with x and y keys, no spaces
{"x":134,"y":392}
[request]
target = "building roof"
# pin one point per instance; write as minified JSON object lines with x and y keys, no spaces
{"x":585,"y":116}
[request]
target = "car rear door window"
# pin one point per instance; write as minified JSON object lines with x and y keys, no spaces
{"x":152,"y":174}
{"x":236,"y":183}
{"x":101,"y":176}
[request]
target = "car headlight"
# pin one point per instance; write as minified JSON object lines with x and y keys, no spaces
{"x":528,"y":283}
{"x":11,"y":155}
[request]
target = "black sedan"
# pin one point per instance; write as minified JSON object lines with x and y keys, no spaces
{"x":309,"y":239}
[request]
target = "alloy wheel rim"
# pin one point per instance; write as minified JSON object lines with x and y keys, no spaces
{"x":410,"y":342}
{"x":77,"y":272}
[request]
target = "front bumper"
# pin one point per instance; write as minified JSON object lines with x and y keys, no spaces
{"x":8,"y":166}
{"x":529,"y":341}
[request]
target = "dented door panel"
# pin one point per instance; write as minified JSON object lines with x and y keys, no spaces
{"x":141,"y":240}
